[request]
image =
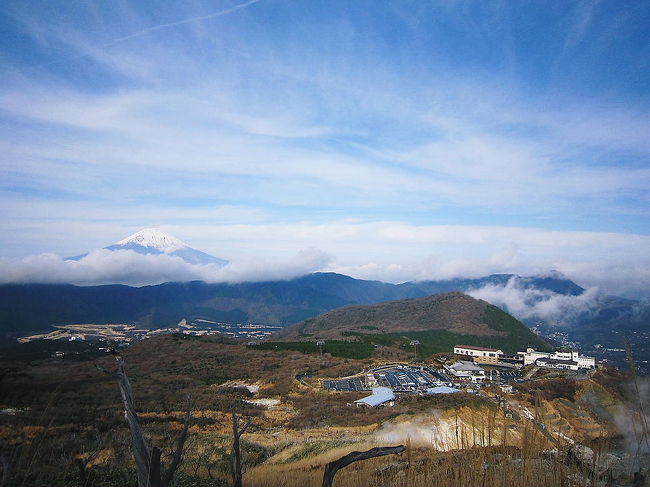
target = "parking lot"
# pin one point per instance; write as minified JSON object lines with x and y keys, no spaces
{"x":400,"y":379}
{"x":406,"y":379}
{"x":344,"y":385}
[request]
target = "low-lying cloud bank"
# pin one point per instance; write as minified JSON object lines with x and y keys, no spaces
{"x":388,"y":251}
{"x":527,"y":302}
{"x":128,"y":267}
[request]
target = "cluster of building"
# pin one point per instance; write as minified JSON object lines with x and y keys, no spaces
{"x":466,"y":373}
{"x":561,"y":359}
{"x":387,"y":380}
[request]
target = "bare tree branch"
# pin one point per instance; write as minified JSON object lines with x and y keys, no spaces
{"x":107,"y":372}
{"x":243,"y":429}
{"x":235,"y":456}
{"x":147,"y":459}
{"x":177,"y":455}
{"x":333,"y":467}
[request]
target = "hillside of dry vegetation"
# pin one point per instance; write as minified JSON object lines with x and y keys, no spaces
{"x":68,"y":411}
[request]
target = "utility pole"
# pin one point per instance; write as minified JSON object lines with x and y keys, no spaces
{"x":320,"y":344}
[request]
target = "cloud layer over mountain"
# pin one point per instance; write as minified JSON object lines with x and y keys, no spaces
{"x":128,"y":267}
{"x":546,"y":305}
{"x":388,"y":251}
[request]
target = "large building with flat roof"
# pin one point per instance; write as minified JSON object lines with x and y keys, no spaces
{"x":562,"y":359}
{"x":481,"y":355}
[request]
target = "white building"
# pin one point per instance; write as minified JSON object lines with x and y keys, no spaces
{"x":531,"y":355}
{"x":467,"y":370}
{"x":479,"y":354}
{"x":570,"y":359}
{"x":553,"y":363}
{"x":380,"y":395}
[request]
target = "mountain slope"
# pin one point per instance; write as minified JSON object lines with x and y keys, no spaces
{"x":455,"y":312}
{"x":431,"y":318}
{"x":28,"y":307}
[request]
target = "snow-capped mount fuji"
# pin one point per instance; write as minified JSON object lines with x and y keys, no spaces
{"x":152,"y":241}
{"x":152,"y":238}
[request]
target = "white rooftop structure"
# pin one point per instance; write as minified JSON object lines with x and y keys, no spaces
{"x":467,"y":370}
{"x":380,"y":395}
{"x":442,"y":390}
{"x":464,"y":365}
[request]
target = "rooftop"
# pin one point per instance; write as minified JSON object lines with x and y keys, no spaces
{"x":482,"y":349}
{"x":442,"y":390}
{"x":379,"y":396}
{"x":464,"y":365}
{"x":556,"y":361}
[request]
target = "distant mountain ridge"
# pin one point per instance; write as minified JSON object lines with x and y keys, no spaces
{"x":27,"y":307}
{"x":38,"y":306}
{"x":152,"y":241}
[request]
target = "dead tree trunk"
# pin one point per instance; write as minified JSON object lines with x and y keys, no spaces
{"x":333,"y":467}
{"x":141,"y":450}
{"x":147,"y":459}
{"x":235,"y":456}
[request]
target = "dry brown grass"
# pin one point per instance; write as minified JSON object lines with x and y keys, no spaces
{"x":426,"y":467}
{"x":71,"y":403}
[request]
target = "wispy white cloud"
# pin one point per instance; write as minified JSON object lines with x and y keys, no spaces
{"x":250,"y":139}
{"x":468,"y":166}
{"x":190,"y":20}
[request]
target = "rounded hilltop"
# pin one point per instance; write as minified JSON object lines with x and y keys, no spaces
{"x":438,"y":318}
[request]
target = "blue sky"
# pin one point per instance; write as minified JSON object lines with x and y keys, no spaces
{"x":406,"y":139}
